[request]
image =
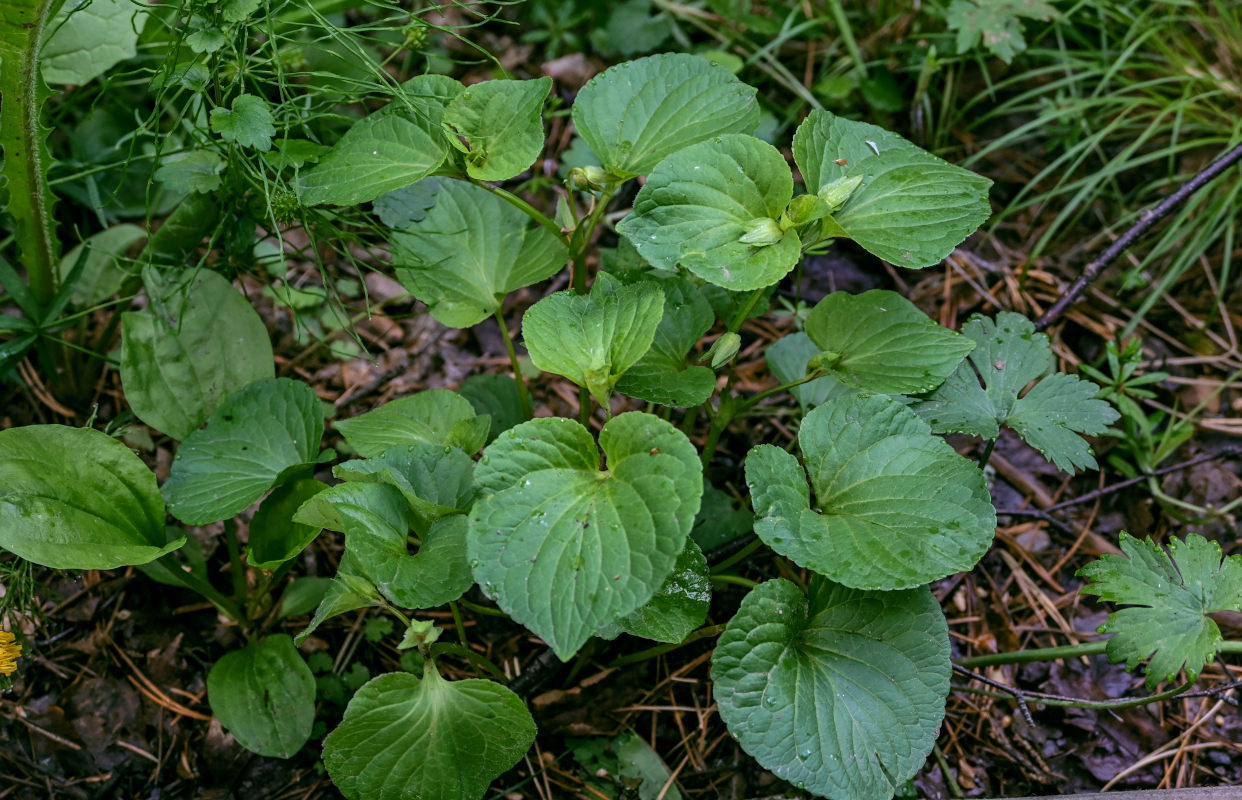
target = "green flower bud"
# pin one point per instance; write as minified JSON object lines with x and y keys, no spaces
{"x":416,"y":34}
{"x":838,"y":193}
{"x":588,"y":179}
{"x":761,"y":232}
{"x":723,"y":351}
{"x":803,"y":209}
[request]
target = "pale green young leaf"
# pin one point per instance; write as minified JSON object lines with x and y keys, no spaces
{"x":500,"y":125}
{"x":1050,"y":416}
{"x":637,"y":112}
{"x":438,"y":416}
{"x":469,"y":250}
{"x":376,"y":521}
{"x":75,"y":498}
{"x":593,"y":339}
{"x":662,"y":374}
{"x":200,"y":342}
{"x":196,"y":171}
{"x":1169,"y":595}
{"x":348,"y":591}
{"x":247,"y":122}
{"x":879,"y":340}
{"x":826,"y":147}
{"x":565,"y":548}
{"x":701,"y":202}
{"x":789,"y":357}
{"x":275,"y":537}
{"x":88,"y":39}
{"x":264,"y":694}
{"x":259,"y":434}
{"x":404,"y":737}
{"x":680,"y":605}
{"x":436,"y":480}
{"x":103,"y":274}
{"x":841,"y":693}
{"x":895,"y":506}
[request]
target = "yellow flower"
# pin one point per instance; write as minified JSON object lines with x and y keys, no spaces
{"x":9,"y":651}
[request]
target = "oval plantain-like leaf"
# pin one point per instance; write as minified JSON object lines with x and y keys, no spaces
{"x":634,"y":114}
{"x":406,"y":738}
{"x":181,"y":358}
{"x":842,"y":692}
{"x":259,"y":435}
{"x":469,"y":250}
{"x":896,"y":507}
{"x":264,"y":694}
{"x":75,"y":498}
{"x":879,"y":340}
{"x":701,"y":207}
{"x":565,"y":548}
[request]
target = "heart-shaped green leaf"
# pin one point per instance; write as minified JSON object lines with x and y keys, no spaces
{"x":565,"y":548}
{"x":593,"y":339}
{"x":500,"y":125}
{"x":178,"y":366}
{"x":75,"y":498}
{"x":789,"y":358}
{"x":469,"y":250}
{"x":376,"y":521}
{"x":662,"y":374}
{"x":702,"y":207}
{"x":1170,"y":595}
{"x":438,"y":416}
{"x":404,"y":738}
{"x":896,"y":507}
{"x":264,"y":694}
{"x":636,"y":113}
{"x":879,"y":340}
{"x":260,"y":433}
{"x":841,"y":693}
{"x":681,"y":604}
{"x":908,"y":207}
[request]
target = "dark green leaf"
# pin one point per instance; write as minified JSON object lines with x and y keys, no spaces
{"x":274,"y":536}
{"x":264,"y":694}
{"x":681,"y":604}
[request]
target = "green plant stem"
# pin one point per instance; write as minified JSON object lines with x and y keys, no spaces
{"x":750,"y":402}
{"x":523,"y":393}
{"x":532,"y":212}
{"x":652,"y":652}
{"x":736,"y":580}
{"x":580,"y":241}
{"x":198,"y":584}
{"x":987,"y":453}
{"x":461,"y":629}
{"x":236,"y":569}
{"x":743,"y":314}
{"x":1065,"y":702}
{"x":475,"y":608}
{"x":949,"y":777}
{"x":1037,"y":654}
{"x":22,"y":92}
{"x":741,"y":555}
{"x":441,"y":648}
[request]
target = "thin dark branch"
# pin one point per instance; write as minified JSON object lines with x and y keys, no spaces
{"x":1146,"y":220}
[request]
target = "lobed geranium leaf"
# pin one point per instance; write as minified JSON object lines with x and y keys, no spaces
{"x":842,"y":692}
{"x":662,"y":374}
{"x":500,"y":125}
{"x":404,"y":737}
{"x":1050,"y":416}
{"x":75,"y":498}
{"x":264,"y":694}
{"x":593,"y":339}
{"x":389,"y":149}
{"x":895,"y":506}
{"x":699,"y":208}
{"x":879,"y":340}
{"x":1170,"y":595}
{"x":910,"y":208}
{"x":565,"y":548}
{"x":469,"y":250}
{"x":438,"y":416}
{"x":680,"y":605}
{"x":376,"y":521}
{"x":996,"y":23}
{"x":634,"y":114}
{"x":199,"y":342}
{"x":260,"y":434}
{"x":247,"y":122}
